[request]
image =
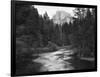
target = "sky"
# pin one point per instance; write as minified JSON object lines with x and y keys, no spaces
{"x":51,"y":10}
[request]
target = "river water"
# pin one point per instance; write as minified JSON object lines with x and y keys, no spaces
{"x":61,"y":60}
{"x":55,"y":61}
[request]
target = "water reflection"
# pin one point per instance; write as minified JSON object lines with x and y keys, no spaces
{"x":55,"y":61}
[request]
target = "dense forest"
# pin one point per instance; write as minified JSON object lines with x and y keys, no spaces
{"x":38,"y":34}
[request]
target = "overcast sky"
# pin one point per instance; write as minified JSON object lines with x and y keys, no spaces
{"x":51,"y":10}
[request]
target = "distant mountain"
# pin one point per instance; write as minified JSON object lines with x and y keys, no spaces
{"x":61,"y":17}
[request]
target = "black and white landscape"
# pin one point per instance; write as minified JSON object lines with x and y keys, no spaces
{"x":52,"y":38}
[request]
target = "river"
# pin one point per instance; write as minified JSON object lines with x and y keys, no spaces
{"x":55,"y":61}
{"x":61,"y":60}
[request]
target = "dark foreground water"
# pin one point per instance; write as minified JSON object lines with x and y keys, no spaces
{"x":61,"y":60}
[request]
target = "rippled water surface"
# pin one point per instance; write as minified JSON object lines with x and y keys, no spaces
{"x":55,"y":61}
{"x":61,"y":60}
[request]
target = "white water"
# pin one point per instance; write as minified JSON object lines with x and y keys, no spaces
{"x":55,"y":61}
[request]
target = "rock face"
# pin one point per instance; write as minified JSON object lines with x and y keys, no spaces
{"x":61,"y":17}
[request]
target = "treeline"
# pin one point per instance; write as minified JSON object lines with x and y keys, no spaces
{"x":32,"y":31}
{"x":83,"y":34}
{"x":32,"y":28}
{"x":37,"y":30}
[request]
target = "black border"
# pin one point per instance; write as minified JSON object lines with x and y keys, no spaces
{"x":13,"y":35}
